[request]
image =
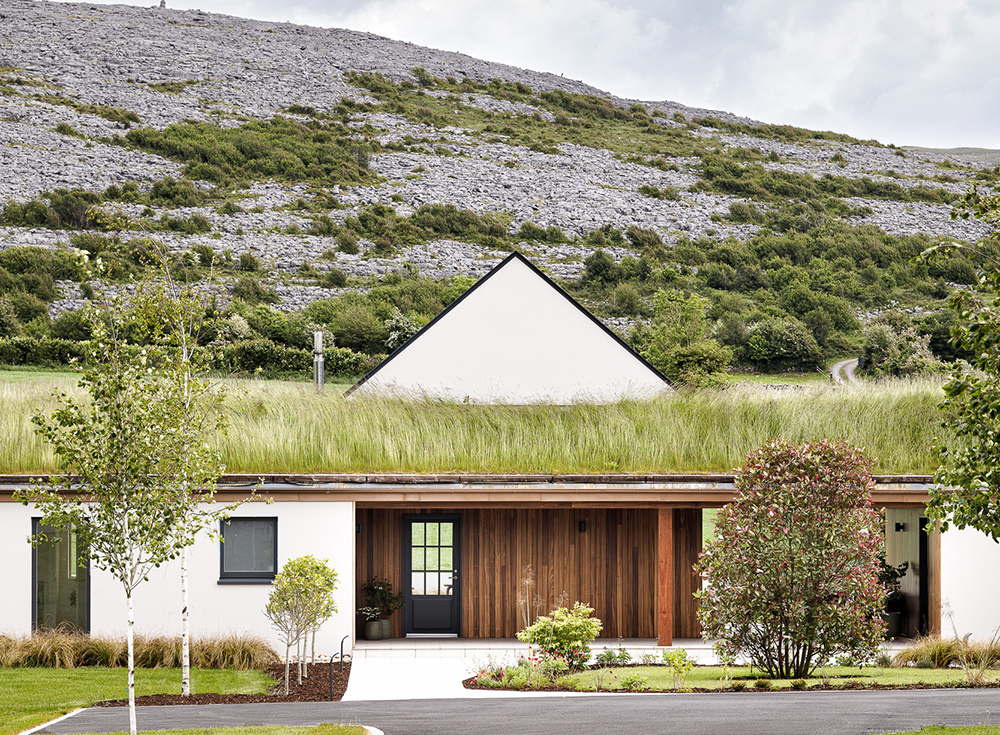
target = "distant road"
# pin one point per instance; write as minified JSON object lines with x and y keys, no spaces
{"x":844,"y":368}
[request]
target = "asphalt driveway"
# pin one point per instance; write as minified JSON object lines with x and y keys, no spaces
{"x":746,"y":713}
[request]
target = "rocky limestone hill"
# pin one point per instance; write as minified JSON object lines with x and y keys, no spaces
{"x":79,"y":83}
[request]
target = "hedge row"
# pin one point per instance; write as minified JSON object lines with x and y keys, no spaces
{"x":44,"y":351}
{"x":269,"y":358}
{"x":258,"y":356}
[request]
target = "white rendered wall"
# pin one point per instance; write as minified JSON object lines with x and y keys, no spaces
{"x":15,"y":602}
{"x":970,"y":570}
{"x":516,"y":339}
{"x":324,"y":529}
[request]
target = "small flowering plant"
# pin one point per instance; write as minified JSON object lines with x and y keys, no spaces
{"x":565,"y":634}
{"x":369,"y":613}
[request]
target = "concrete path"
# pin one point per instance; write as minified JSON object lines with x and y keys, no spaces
{"x":747,"y":713}
{"x":844,"y":368}
{"x":433,"y":668}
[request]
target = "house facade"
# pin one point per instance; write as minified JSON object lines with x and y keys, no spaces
{"x":461,"y":547}
{"x":457,"y":548}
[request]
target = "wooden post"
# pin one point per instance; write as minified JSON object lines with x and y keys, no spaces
{"x":934,"y":580}
{"x":665,"y":577}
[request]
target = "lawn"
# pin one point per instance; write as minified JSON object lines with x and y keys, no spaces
{"x":711,"y":677}
{"x":32,"y":696}
{"x":29,"y":374}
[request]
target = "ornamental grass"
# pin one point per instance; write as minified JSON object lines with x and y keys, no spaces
{"x":68,"y":649}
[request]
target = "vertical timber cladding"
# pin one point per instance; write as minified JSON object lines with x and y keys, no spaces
{"x":611,"y":564}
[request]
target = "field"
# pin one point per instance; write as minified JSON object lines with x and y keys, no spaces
{"x":278,"y":426}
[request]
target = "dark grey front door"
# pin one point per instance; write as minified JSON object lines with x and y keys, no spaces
{"x":431,"y":556}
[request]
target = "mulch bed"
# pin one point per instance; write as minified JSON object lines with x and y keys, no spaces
{"x":314,"y":689}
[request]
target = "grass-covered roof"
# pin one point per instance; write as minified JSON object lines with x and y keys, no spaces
{"x":280,"y":427}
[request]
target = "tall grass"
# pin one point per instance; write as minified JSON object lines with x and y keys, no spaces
{"x":67,"y":649}
{"x":294,"y":430}
{"x":945,"y":652}
{"x":288,"y":427}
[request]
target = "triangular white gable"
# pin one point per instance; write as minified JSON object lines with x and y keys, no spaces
{"x":514,"y":338}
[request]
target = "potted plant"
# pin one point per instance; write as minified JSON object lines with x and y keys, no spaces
{"x":373,"y":629}
{"x":380,"y":596}
{"x":895,"y":604}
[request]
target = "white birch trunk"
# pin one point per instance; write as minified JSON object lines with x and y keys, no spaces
{"x":288,"y":647}
{"x":300,"y":650}
{"x":312,"y":655}
{"x":133,"y":729}
{"x":185,"y":629}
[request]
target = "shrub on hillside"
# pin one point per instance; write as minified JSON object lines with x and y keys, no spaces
{"x":896,"y":349}
{"x":600,"y":268}
{"x":10,"y":325}
{"x":253,"y":291}
{"x":646,"y":241}
{"x":781,"y":344}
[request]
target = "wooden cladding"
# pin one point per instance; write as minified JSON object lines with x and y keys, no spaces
{"x":605,"y":557}
{"x":687,"y":546}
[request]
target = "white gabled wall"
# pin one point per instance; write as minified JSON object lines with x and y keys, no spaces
{"x":516,"y":339}
{"x":970,"y":562}
{"x":324,"y":529}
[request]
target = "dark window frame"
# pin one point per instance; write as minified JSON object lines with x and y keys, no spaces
{"x":36,"y":523}
{"x":251,"y":577}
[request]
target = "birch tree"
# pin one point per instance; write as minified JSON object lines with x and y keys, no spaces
{"x":122,"y":454}
{"x":172,"y":316}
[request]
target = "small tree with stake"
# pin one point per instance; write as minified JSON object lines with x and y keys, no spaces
{"x":793,"y":573}
{"x":301,"y":600}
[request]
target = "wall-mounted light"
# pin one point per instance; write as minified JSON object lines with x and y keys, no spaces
{"x":583,"y":526}
{"x":359,"y":528}
{"x":900,"y":527}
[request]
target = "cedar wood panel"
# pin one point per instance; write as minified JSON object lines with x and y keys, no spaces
{"x":611,"y":565}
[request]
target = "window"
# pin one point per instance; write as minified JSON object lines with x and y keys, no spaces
{"x":248,"y":550}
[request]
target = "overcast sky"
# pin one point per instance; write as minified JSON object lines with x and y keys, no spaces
{"x":909,"y":72}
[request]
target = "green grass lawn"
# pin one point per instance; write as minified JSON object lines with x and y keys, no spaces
{"x":32,"y":696}
{"x":710,"y":677}
{"x":31,"y":374}
{"x":811,"y":378}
